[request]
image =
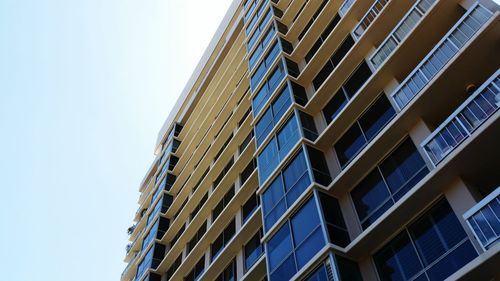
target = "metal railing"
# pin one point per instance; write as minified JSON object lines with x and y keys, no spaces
{"x":401,"y":31}
{"x":484,"y":220}
{"x":345,"y":7}
{"x":481,"y":105}
{"x":369,"y":17}
{"x":441,"y":54}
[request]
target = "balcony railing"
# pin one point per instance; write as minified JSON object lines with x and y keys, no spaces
{"x":129,"y":264}
{"x":441,"y":54}
{"x":484,"y":220}
{"x":481,"y":105}
{"x":345,"y":7}
{"x":369,"y":17}
{"x":401,"y":31}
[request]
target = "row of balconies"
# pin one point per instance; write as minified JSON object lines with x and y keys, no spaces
{"x":477,"y":109}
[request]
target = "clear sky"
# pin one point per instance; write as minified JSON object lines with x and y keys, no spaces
{"x":85,"y":86}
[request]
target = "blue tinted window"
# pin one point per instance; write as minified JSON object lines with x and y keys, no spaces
{"x":319,"y":275}
{"x":277,"y":148}
{"x":273,"y":194}
{"x":272,"y":115}
{"x":267,"y":89}
{"x":402,"y":170}
{"x":253,"y":250}
{"x":334,"y":106}
{"x":276,"y":77}
{"x":376,"y":117}
{"x":268,"y":160}
{"x":370,"y":196}
{"x":293,"y":254}
{"x":285,"y":271}
{"x":437,"y":236}
{"x":264,"y":126}
{"x":398,"y":260}
{"x":305,"y":221}
{"x":288,"y":136}
{"x":310,"y":247}
{"x":281,"y":104}
{"x":296,"y":178}
{"x":258,"y":31}
{"x":349,"y":144}
{"x":264,"y":65}
{"x":280,"y":246}
{"x":259,"y":100}
{"x":364,"y":130}
{"x":279,"y":197}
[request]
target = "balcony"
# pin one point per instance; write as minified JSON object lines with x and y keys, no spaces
{"x":161,"y":207}
{"x":484,"y":220}
{"x":401,"y":31}
{"x":345,"y":7}
{"x":150,"y":261}
{"x":452,"y":43}
{"x":480,"y":106}
{"x":126,"y":271}
{"x":369,"y":17}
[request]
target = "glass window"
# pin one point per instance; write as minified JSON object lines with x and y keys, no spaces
{"x":229,"y":273}
{"x":246,"y":141}
{"x":334,"y":60}
{"x":436,"y":236}
{"x":285,"y":189}
{"x":287,"y":255}
{"x":272,"y":115}
{"x":197,"y":236}
{"x":222,"y":240}
{"x":264,"y":65}
{"x":322,"y":38}
{"x":288,"y":136}
{"x":247,"y":172}
{"x":334,"y":106}
{"x":304,"y":222}
{"x":268,"y":88}
{"x":349,"y":144}
{"x":249,"y":207}
{"x":222,"y":203}
{"x":388,"y":182}
{"x":364,"y":130}
{"x":376,"y":117}
{"x":357,"y":79}
{"x":403,"y":169}
{"x":253,"y":250}
{"x":279,"y":146}
{"x":335,"y":223}
{"x":319,"y":274}
{"x":279,"y":247}
{"x":197,"y":271}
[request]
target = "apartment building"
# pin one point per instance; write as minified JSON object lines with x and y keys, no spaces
{"x":331,"y":140}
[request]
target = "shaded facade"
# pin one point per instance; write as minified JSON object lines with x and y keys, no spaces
{"x":331,"y":140}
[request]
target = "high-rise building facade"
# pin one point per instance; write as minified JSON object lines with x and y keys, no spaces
{"x":331,"y":140}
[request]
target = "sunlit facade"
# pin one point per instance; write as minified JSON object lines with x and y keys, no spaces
{"x":331,"y":140}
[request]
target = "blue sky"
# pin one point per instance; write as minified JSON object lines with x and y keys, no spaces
{"x":85,"y":85}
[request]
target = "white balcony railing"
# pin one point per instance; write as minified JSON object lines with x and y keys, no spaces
{"x":484,"y":220}
{"x":401,"y":31}
{"x":345,"y":7}
{"x":441,"y":54}
{"x":482,"y":104}
{"x":369,"y":17}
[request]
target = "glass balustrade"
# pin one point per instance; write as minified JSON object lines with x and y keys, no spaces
{"x":482,"y":104}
